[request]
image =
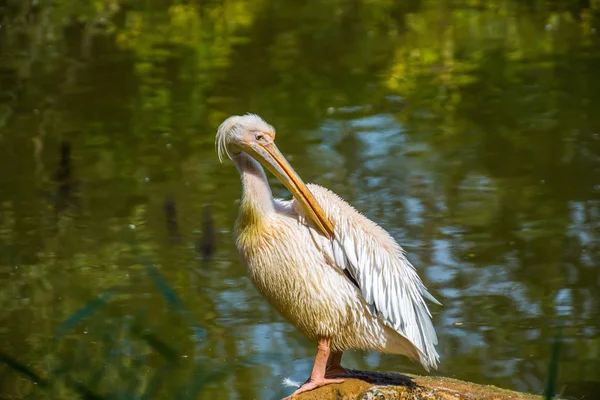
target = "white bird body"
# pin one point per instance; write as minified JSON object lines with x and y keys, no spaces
{"x":305,"y":282}
{"x":337,"y":276}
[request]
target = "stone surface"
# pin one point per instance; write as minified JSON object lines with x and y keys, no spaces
{"x":387,"y":386}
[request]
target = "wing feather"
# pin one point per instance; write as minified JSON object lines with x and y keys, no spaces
{"x":387,"y":280}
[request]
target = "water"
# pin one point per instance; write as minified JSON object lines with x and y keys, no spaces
{"x":470,"y":130}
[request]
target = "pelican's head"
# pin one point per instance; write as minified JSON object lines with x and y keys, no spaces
{"x":250,"y":134}
{"x":238,"y":133}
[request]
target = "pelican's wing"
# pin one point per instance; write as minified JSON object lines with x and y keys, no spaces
{"x":378,"y":265}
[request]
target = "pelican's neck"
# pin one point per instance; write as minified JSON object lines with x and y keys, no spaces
{"x":257,"y":199}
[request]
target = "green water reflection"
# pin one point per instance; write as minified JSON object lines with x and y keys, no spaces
{"x":469,"y":129}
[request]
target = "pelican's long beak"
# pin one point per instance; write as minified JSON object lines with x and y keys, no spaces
{"x":271,"y":158}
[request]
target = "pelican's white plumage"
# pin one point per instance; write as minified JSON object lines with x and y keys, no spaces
{"x":388,"y":282}
{"x":334,"y":274}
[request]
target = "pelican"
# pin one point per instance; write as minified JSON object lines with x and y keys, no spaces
{"x":334,"y":274}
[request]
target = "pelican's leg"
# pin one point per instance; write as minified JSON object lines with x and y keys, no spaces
{"x":334,"y":365}
{"x":317,"y":377}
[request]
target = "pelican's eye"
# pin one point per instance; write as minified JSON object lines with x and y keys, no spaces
{"x":262,"y":137}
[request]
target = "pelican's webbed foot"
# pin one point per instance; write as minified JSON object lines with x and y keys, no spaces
{"x":326,"y":366}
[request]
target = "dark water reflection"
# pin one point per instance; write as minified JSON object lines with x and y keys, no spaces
{"x":469,"y":130}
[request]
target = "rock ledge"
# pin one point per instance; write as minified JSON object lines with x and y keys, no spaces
{"x":387,"y":386}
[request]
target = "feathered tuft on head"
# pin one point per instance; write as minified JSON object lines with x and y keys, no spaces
{"x":231,"y":130}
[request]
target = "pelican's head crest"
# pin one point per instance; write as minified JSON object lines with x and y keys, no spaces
{"x":237,"y":131}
